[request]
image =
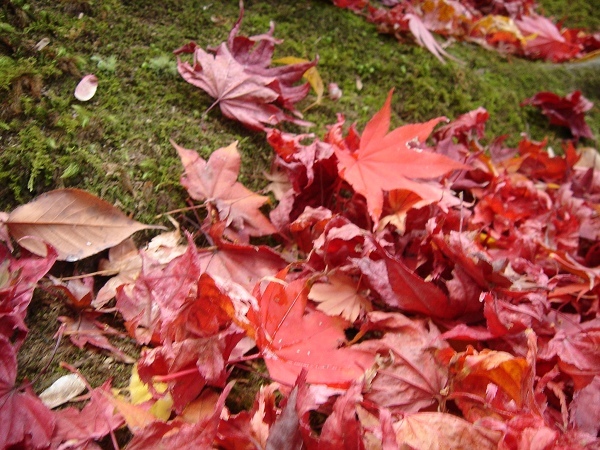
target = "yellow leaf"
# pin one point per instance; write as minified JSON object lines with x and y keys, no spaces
{"x":311,"y":75}
{"x":140,"y":393}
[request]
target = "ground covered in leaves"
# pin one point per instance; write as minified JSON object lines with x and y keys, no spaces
{"x":461,"y":273}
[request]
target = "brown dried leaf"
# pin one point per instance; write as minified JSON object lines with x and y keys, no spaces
{"x":76,"y":223}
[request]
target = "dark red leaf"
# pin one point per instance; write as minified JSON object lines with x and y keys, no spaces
{"x":409,"y":376}
{"x":24,"y":420}
{"x":567,"y":111}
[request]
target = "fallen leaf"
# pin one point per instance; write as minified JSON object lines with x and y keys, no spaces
{"x":567,"y":111}
{"x":408,"y":376}
{"x":86,"y":88}
{"x":487,"y":382}
{"x":139,"y":392}
{"x":97,"y":419}
{"x":311,"y":75}
{"x":76,"y":223}
{"x":237,"y":76}
{"x":62,"y":390}
{"x":436,"y":430}
{"x":215,"y":182}
{"x":342,"y":429}
{"x":544,"y":40}
{"x":387,"y":161}
{"x":24,"y":420}
{"x":425,"y":39}
{"x":585,"y":408}
{"x":292,"y":339}
{"x":87,"y":330}
{"x":178,"y":434}
{"x":285,"y":431}
{"x":339,"y":296}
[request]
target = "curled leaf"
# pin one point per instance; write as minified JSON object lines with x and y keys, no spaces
{"x":311,"y":75}
{"x":62,"y":390}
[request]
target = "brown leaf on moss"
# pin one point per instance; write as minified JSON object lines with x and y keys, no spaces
{"x":76,"y":223}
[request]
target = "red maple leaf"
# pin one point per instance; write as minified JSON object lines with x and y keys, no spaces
{"x":237,"y":76}
{"x":18,"y":279}
{"x":410,"y":378}
{"x":179,"y":434}
{"x":291,"y":338}
{"x":386,"y":161}
{"x":215,"y":182}
{"x":80,"y":428}
{"x":243,"y":264}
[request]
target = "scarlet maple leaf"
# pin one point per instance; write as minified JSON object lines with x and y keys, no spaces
{"x":215,"y":182}
{"x":292,"y":339}
{"x":386,"y":161}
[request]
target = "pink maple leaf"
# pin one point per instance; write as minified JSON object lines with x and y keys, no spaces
{"x":215,"y":182}
{"x":237,"y":76}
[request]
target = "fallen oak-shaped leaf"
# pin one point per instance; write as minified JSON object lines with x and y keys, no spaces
{"x":76,"y":223}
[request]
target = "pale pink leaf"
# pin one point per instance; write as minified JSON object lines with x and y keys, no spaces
{"x":339,"y":296}
{"x":86,"y":88}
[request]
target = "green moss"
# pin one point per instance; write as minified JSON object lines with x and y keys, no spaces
{"x":576,"y":13}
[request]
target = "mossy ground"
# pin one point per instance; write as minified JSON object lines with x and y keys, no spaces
{"x":117,"y":144}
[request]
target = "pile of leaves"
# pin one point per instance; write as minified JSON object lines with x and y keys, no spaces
{"x":508,"y":26}
{"x":428,"y":289}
